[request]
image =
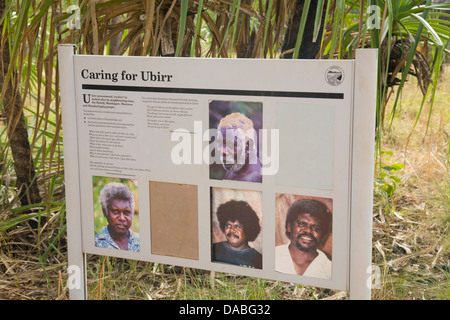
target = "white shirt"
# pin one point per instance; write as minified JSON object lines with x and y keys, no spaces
{"x":320,"y":267}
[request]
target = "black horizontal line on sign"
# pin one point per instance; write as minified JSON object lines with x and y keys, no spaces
{"x":284,"y":94}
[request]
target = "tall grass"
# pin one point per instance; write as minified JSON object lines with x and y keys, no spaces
{"x":411,"y":234}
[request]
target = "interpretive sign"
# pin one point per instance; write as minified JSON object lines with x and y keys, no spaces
{"x":252,"y":167}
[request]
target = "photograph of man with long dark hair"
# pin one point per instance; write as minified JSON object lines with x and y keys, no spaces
{"x":236,"y":227}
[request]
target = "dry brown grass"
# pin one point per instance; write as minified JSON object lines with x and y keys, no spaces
{"x":411,"y":240}
{"x":23,"y":276}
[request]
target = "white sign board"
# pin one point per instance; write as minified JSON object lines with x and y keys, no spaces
{"x":221,"y":159}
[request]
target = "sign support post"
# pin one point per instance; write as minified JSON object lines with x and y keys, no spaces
{"x":363,"y":140}
{"x":76,"y":255}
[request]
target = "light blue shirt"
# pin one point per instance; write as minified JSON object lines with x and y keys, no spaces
{"x":104,"y":240}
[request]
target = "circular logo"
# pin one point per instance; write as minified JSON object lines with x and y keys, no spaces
{"x":334,"y":75}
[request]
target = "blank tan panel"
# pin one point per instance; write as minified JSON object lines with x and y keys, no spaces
{"x":174,"y":219}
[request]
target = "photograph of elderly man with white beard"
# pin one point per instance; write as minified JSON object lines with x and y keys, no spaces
{"x":235,"y":150}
